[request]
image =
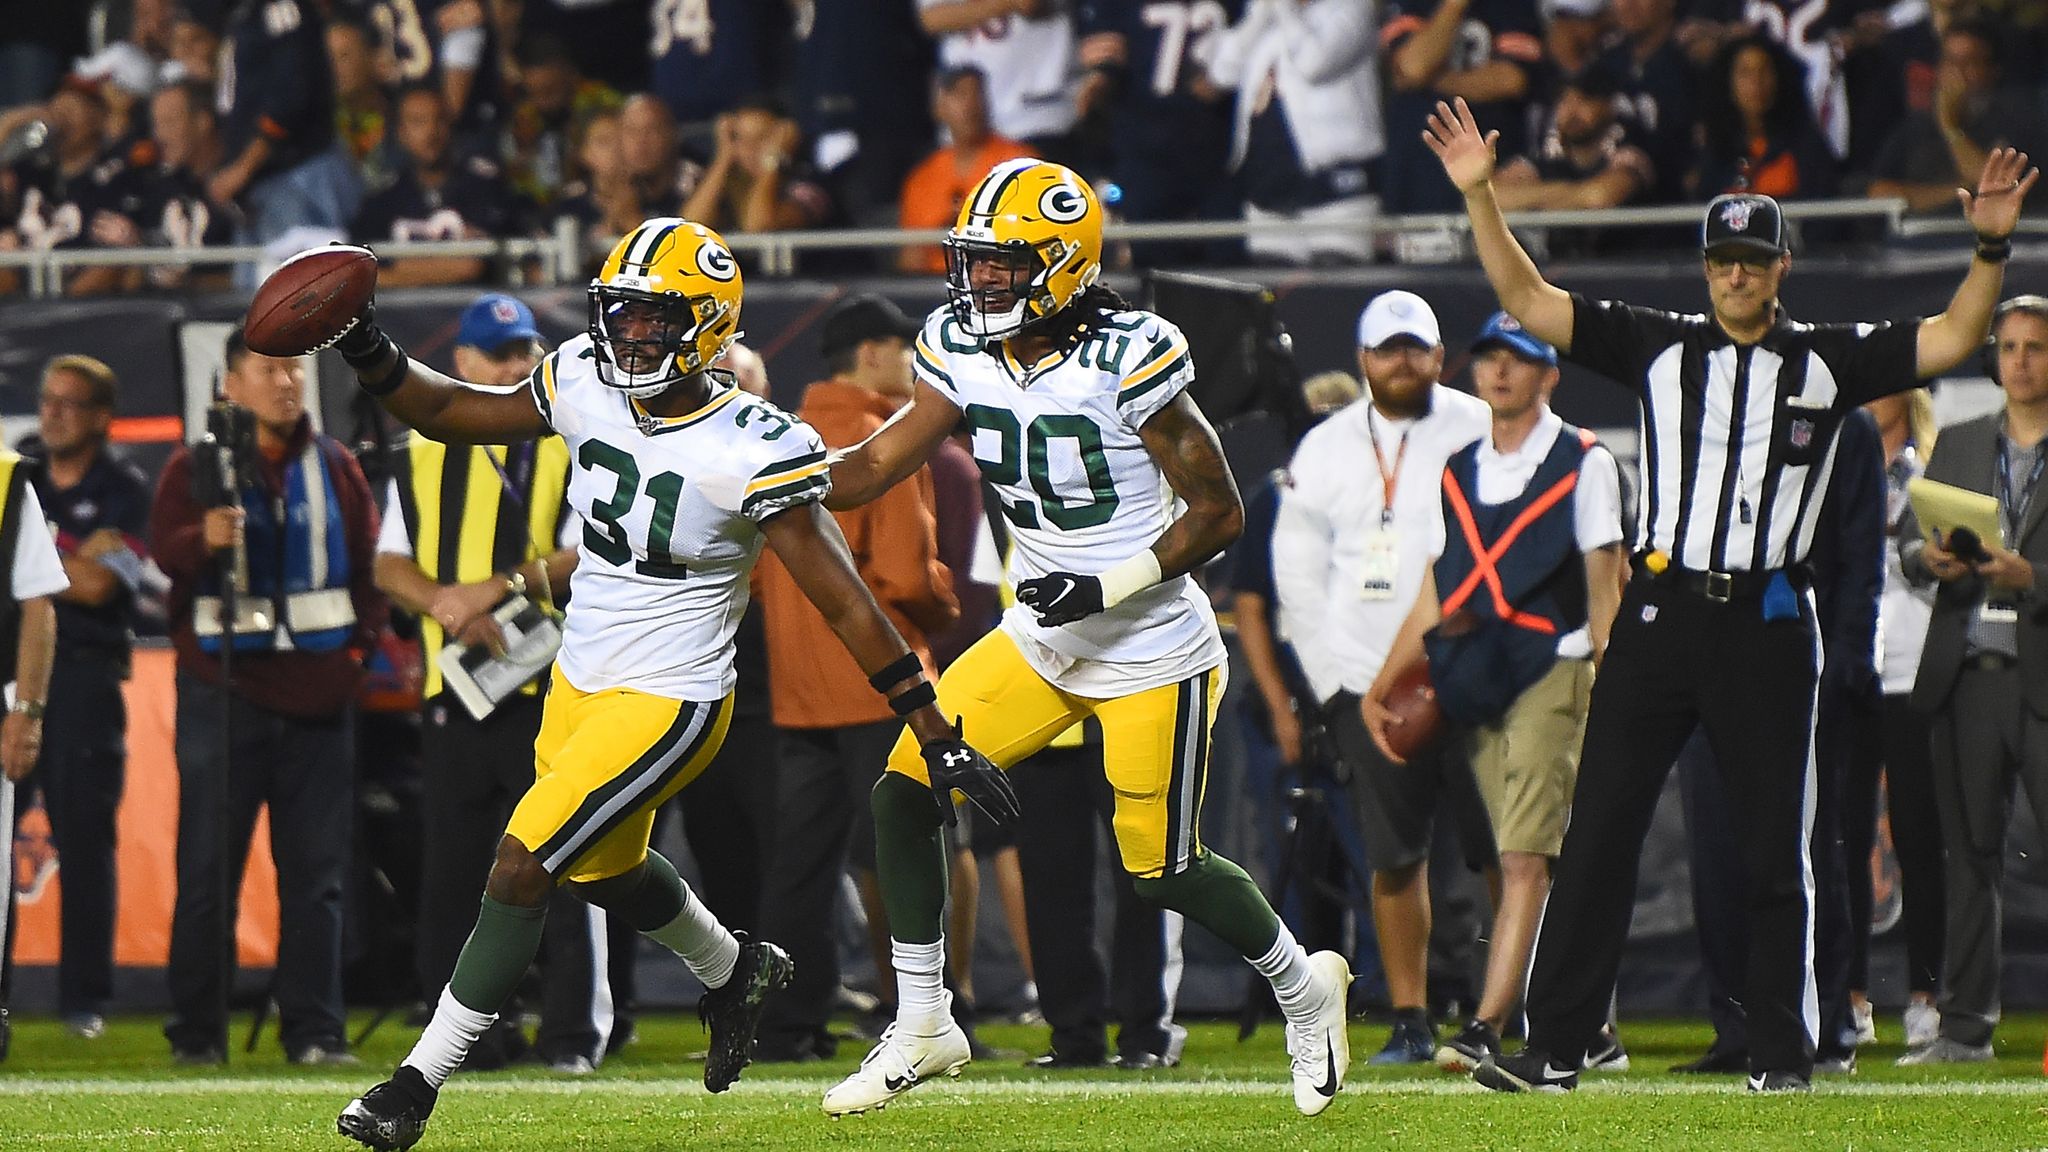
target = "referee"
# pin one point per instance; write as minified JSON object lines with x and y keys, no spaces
{"x":1739,"y":415}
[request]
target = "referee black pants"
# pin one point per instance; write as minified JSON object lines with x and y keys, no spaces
{"x":1677,"y":661}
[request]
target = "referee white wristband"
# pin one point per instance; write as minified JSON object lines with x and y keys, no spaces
{"x":1129,"y":578}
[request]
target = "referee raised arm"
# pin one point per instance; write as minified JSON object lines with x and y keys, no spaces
{"x":1739,"y":415}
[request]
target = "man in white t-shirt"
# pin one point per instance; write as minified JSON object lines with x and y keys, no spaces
{"x":1025,"y":48}
{"x":1348,"y":560}
{"x":28,"y":646}
{"x":1528,"y":567}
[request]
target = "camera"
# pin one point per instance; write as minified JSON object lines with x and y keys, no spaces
{"x":224,"y":460}
{"x":1964,"y":545}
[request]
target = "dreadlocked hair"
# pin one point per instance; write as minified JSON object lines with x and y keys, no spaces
{"x":1078,"y":320}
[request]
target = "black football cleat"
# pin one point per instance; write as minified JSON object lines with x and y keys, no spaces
{"x":1529,"y":1070}
{"x":392,"y":1116}
{"x":733,"y":1010}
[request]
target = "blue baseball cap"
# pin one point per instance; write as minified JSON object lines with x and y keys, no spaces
{"x":494,"y":321}
{"x":1507,"y":332}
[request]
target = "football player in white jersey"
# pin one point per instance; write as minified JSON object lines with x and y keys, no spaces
{"x":1115,"y":489}
{"x":679,"y":477}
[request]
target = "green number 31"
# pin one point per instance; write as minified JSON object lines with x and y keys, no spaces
{"x":606,"y":539}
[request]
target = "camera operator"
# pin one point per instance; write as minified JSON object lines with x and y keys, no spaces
{"x":294,"y":524}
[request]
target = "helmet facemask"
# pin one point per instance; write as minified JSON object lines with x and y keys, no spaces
{"x":646,"y":341}
{"x":1013,"y":299}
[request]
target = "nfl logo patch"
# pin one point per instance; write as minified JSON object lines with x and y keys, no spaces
{"x":1802,"y":433}
{"x":1736,"y":214}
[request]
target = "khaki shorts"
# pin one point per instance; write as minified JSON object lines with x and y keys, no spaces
{"x":1526,"y":764}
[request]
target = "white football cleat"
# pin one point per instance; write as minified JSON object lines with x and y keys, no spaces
{"x":1320,"y":1042}
{"x":902,"y":1061}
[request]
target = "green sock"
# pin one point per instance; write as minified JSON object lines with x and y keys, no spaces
{"x":1216,"y":894}
{"x":647,"y":898}
{"x":910,"y":859}
{"x":497,"y":954}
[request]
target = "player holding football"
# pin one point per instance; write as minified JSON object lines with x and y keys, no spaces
{"x":1080,"y":423}
{"x":679,"y":476}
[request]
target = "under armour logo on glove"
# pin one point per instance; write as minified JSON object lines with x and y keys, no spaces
{"x":954,"y":765}
{"x":1061,"y":597}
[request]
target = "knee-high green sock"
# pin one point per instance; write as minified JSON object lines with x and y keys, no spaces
{"x":654,"y":899}
{"x":910,"y":860}
{"x":1216,"y":894}
{"x":493,"y":961}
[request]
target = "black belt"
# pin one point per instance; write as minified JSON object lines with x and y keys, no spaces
{"x":1722,"y":587}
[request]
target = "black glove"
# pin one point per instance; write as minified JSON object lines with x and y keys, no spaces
{"x":363,"y":344}
{"x":954,"y":764}
{"x":1061,"y":597}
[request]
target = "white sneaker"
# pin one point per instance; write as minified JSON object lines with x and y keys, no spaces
{"x":1946,"y":1051}
{"x":1866,"y":1022}
{"x":1319,"y":1044}
{"x":902,"y":1061}
{"x":1923,"y":1023}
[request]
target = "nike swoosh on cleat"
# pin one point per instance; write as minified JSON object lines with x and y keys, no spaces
{"x":1329,"y":1085}
{"x":898,"y":1083}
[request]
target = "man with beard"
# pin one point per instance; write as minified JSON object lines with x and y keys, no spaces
{"x":1587,"y":159}
{"x":1348,"y":562}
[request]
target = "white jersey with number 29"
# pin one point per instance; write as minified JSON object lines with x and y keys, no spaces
{"x":1059,"y":444}
{"x":671,"y":511}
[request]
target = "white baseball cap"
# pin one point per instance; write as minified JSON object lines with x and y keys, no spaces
{"x":1394,"y":314}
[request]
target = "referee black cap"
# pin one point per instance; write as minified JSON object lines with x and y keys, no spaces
{"x":1743,"y":220}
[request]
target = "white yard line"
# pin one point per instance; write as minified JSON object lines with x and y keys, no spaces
{"x":965,"y":1089}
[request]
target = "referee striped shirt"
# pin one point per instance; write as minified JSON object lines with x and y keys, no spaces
{"x":1738,"y":440}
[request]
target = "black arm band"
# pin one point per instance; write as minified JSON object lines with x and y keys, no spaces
{"x":900,"y":669}
{"x":1994,"y":249}
{"x":382,"y":371}
{"x":911,"y":699}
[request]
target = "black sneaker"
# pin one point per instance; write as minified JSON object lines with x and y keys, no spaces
{"x":1530,"y":1070}
{"x":1413,"y":1041}
{"x":1779,"y":1082}
{"x":1054,"y":1058}
{"x":1607,"y":1053}
{"x":732,"y":1010}
{"x":392,"y":1116}
{"x":1472,"y":1045}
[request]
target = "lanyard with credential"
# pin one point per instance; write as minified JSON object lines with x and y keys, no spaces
{"x":2014,"y":513}
{"x":1390,"y":479}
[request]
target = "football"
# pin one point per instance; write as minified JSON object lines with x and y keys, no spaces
{"x":1413,"y":699}
{"x":310,"y":300}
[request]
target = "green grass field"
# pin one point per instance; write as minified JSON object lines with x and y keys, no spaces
{"x":121,"y":1093}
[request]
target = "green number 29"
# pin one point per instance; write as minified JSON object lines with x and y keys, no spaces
{"x":1026,"y":449}
{"x":602,"y":533}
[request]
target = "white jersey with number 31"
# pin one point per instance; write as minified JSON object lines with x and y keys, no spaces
{"x":671,"y":511}
{"x":1059,"y":444}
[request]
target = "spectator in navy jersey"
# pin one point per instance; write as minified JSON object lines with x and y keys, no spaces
{"x":283,"y":167}
{"x":708,"y":54}
{"x":1487,"y":51}
{"x":1657,"y":86}
{"x":436,"y":193}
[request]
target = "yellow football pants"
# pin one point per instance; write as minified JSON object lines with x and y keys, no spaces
{"x":603,"y":762}
{"x":1155,"y":744}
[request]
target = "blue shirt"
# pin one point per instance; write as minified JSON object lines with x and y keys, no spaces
{"x":707,"y":54}
{"x":278,"y":85}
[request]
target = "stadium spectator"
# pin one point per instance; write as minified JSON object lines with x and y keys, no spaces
{"x":708,"y":54}
{"x":436,"y":193}
{"x":297,"y":663}
{"x":362,"y":106}
{"x":126,"y":78}
{"x":176,"y":213}
{"x":195,"y":50}
{"x":603,"y":200}
{"x":758,"y":179}
{"x":1972,"y":113}
{"x":283,"y":167}
{"x":1982,"y":676}
{"x":1587,"y":157}
{"x":1657,"y":88}
{"x":1025,"y":48}
{"x":1307,"y":125}
{"x":1169,"y":125}
{"x":1898,"y":748}
{"x":862,"y":73}
{"x":1346,"y":583}
{"x":1758,"y":134}
{"x":1574,"y":31}
{"x":71,"y":194}
{"x":556,"y":97}
{"x":450,"y":45}
{"x":98,"y":506}
{"x":1806,"y":32}
{"x":937,"y":187}
{"x":652,"y":150}
{"x":1486,"y":51}
{"x":835,"y":740}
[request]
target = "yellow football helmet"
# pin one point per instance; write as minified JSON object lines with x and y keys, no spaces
{"x":665,"y":305}
{"x":1027,"y":244}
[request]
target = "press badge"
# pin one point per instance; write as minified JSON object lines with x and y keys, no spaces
{"x":1381,"y":567}
{"x":1991,"y":613}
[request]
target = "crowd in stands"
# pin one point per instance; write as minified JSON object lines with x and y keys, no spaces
{"x":283,"y":122}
